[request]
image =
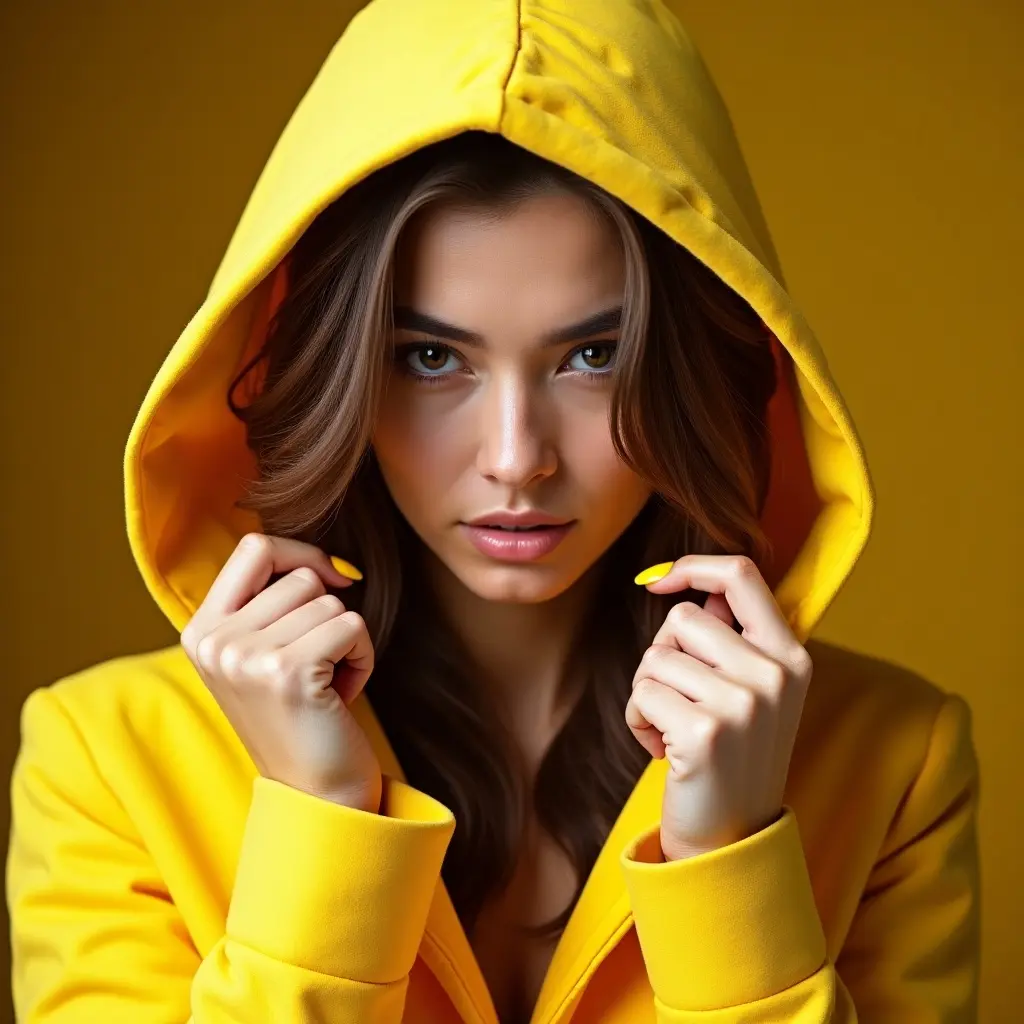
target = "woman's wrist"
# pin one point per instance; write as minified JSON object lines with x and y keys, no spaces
{"x":362,"y":798}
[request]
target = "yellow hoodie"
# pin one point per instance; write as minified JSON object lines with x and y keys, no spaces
{"x":154,"y":876}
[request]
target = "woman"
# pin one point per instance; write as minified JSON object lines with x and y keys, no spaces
{"x":495,"y":490}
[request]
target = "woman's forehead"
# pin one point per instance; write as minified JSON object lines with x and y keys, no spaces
{"x":548,"y":259}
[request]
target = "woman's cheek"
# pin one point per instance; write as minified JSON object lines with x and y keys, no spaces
{"x":418,"y":451}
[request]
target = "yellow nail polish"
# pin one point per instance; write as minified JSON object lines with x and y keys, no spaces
{"x":655,"y":573}
{"x":346,"y":568}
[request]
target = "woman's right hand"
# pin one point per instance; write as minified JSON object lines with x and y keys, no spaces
{"x":283,"y":664}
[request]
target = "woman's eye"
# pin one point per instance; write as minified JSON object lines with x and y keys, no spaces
{"x":597,"y":357}
{"x":430,"y":357}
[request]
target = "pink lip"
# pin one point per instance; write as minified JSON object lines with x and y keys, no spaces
{"x":519,"y":546}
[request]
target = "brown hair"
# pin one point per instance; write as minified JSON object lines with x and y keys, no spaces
{"x":694,"y":373}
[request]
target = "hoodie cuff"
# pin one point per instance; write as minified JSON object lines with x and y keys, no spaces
{"x":726,"y":927}
{"x":334,"y":889}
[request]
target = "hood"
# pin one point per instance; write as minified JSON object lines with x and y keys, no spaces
{"x":615,"y":92}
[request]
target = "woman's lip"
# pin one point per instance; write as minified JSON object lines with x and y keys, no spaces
{"x":516,"y":545}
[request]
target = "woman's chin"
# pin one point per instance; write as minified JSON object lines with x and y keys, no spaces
{"x":519,"y":583}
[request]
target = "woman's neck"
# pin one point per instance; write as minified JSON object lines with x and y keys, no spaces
{"x":521,"y":651}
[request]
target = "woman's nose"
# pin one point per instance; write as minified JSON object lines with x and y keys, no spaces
{"x":515,"y":445}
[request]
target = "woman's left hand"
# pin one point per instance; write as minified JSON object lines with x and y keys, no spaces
{"x":723,"y":707}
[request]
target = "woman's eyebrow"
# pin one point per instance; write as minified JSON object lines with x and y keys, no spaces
{"x":409,"y":319}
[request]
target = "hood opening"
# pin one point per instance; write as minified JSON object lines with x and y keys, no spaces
{"x":647,"y":126}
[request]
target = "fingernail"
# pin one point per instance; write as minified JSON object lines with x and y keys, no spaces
{"x":346,"y":569}
{"x":655,"y":573}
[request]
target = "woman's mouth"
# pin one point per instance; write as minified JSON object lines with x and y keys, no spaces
{"x":518,"y":543}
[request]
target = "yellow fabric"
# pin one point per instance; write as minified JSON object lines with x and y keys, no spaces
{"x":153,"y":875}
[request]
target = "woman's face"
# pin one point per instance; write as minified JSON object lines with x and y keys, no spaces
{"x":506,"y":419}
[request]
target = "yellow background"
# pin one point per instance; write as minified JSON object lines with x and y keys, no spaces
{"x":885,"y":140}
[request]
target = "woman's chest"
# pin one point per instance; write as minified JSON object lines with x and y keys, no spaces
{"x":512,"y":961}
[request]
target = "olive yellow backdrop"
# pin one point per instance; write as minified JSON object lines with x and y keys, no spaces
{"x":885,"y":140}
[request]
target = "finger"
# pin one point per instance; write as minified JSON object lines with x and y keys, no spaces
{"x":296,"y":623}
{"x":647,"y":736}
{"x":696,"y":681}
{"x":717,"y":605}
{"x":690,"y":629}
{"x":738,"y":579}
{"x":292,"y":592}
{"x":650,"y":713}
{"x":341,"y":638}
{"x":257,"y":557}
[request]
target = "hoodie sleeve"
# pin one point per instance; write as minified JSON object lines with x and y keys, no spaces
{"x":327,"y":912}
{"x":733,"y":936}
